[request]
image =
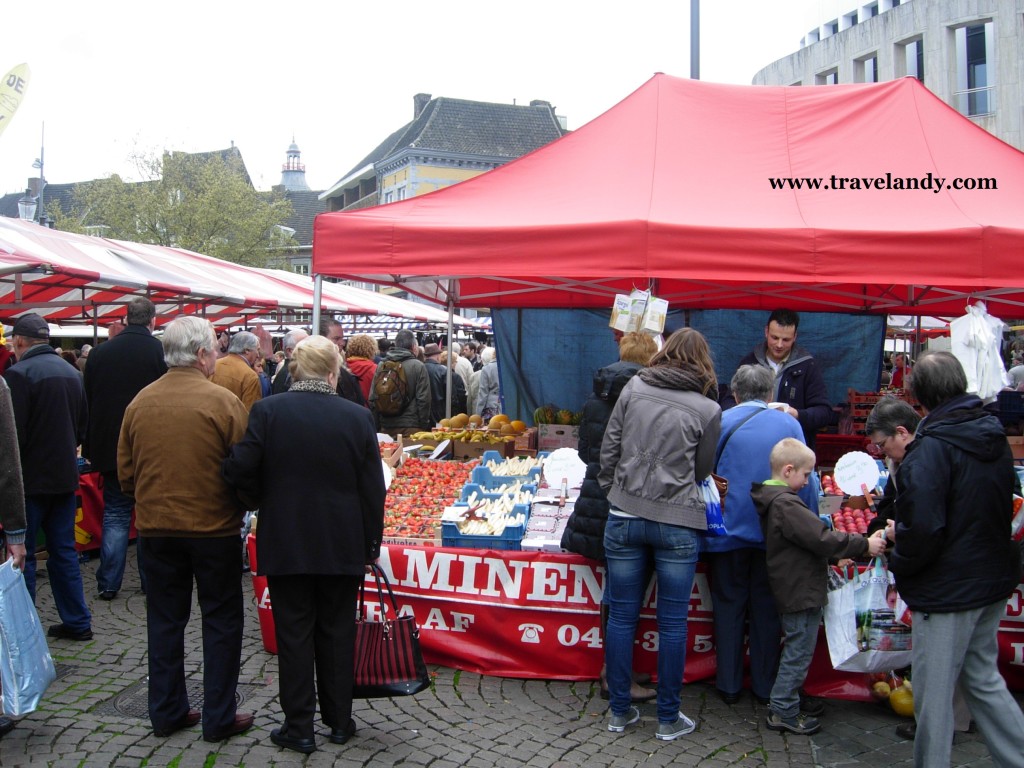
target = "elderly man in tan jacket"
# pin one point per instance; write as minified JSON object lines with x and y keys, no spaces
{"x":175,"y":434}
{"x":235,"y":370}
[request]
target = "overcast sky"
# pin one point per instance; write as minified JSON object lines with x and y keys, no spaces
{"x":110,"y":78}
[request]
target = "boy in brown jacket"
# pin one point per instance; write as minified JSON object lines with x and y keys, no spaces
{"x":799,"y":547}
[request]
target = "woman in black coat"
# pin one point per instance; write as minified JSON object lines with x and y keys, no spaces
{"x":310,"y":462}
{"x":584,"y":530}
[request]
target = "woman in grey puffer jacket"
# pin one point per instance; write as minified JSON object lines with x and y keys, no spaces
{"x":660,"y":443}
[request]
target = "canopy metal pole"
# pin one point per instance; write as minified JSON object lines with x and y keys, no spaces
{"x":318,"y":281}
{"x":917,"y":345}
{"x":95,"y":325}
{"x":451,"y":362}
{"x":695,"y":39}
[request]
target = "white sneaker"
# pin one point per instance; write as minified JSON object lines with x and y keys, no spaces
{"x":618,"y":723}
{"x":669,"y":731}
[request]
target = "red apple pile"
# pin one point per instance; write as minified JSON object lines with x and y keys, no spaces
{"x":829,"y":487}
{"x":851,"y":520}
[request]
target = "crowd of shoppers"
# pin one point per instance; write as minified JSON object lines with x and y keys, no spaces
{"x":653,"y":431}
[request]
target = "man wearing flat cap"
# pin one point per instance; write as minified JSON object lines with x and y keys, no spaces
{"x":438,"y":374}
{"x":51,"y":416}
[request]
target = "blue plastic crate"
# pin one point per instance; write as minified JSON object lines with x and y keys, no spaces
{"x":510,"y":539}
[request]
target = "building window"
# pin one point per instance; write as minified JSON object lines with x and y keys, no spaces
{"x":913,"y":59}
{"x":870,"y":11}
{"x":850,"y":20}
{"x":831,"y":77}
{"x":831,"y":27}
{"x":866,"y":70}
{"x":975,"y":79}
{"x":300,"y":267}
{"x":389,"y":197}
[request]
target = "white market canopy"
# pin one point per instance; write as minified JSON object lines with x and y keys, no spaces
{"x":69,"y":278}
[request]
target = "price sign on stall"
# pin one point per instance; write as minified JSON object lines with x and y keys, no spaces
{"x":855,"y":470}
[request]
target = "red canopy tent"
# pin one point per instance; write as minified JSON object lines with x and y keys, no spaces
{"x":670,"y":189}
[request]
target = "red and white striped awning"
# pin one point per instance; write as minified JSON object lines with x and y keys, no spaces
{"x":70,"y":278}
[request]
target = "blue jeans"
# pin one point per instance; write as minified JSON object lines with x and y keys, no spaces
{"x":800,"y":629}
{"x":630,"y":544}
{"x":55,"y":514}
{"x":117,"y":520}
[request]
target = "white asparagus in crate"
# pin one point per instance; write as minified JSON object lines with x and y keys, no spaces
{"x":520,"y":465}
{"x":502,"y":505}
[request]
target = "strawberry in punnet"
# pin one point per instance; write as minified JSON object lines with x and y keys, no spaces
{"x":419,"y":493}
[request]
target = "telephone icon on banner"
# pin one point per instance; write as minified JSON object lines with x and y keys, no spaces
{"x":531,"y":632}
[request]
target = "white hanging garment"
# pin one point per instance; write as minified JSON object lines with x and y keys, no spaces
{"x":975,"y":340}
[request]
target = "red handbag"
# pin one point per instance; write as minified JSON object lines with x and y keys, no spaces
{"x":388,"y":660}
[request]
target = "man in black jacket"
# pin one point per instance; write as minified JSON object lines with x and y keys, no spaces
{"x":115,"y":372}
{"x":50,"y":414}
{"x":798,"y":379}
{"x":438,"y":374}
{"x":955,"y":563}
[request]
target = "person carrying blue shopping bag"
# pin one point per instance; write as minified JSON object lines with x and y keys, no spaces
{"x":12,"y":497}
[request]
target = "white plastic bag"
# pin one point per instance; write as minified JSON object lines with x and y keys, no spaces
{"x":26,"y":668}
{"x":860,"y":624}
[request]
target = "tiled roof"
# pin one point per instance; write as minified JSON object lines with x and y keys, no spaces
{"x":305,"y":207}
{"x":64,"y":192}
{"x":226,"y":156}
{"x":472,"y":128}
{"x":59,"y":192}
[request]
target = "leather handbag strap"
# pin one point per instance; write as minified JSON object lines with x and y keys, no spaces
{"x":382,"y":583}
{"x":731,"y":432}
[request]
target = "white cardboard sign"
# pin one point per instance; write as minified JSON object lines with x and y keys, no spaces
{"x":855,"y":469}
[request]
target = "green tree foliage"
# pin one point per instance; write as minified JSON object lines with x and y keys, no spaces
{"x":203,"y":203}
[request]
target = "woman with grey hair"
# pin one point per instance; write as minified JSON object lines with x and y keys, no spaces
{"x":313,"y":546}
{"x":488,"y":392}
{"x":739,"y":575}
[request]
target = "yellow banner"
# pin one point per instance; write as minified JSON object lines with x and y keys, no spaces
{"x":12,"y":91}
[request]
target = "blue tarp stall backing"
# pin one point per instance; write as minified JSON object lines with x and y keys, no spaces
{"x":551,"y":355}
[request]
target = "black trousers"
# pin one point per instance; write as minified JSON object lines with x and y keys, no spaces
{"x":741,"y":596}
{"x":314,"y":619}
{"x":170,"y":564}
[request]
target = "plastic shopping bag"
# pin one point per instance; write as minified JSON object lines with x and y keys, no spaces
{"x":860,"y":623}
{"x":26,"y":668}
{"x":709,"y":493}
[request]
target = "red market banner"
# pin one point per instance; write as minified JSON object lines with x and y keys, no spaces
{"x":527,"y":614}
{"x":536,"y":615}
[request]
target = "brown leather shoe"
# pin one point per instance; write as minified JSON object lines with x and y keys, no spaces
{"x":243,"y":722}
{"x":187,"y":720}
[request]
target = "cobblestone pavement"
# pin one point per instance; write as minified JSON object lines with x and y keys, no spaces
{"x":95,"y":715}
